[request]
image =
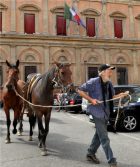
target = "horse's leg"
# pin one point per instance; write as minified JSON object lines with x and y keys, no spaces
{"x":16,"y":118}
{"x":41,"y":136}
{"x":20,"y":129}
{"x":44,"y":135}
{"x":32,"y":121}
{"x":40,"y":127}
{"x":7,"y":140}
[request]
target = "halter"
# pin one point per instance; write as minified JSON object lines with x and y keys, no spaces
{"x":57,"y":81}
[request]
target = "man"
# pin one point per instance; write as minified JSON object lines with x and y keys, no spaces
{"x":100,"y":89}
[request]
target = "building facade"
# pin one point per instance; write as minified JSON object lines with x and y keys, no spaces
{"x":37,"y":33}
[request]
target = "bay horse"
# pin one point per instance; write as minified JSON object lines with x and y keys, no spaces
{"x":10,"y":99}
{"x":41,"y":94}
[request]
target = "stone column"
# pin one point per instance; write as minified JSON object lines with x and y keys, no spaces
{"x":75,"y":25}
{"x":107,"y":58}
{"x":13,"y":15}
{"x":45,"y":16}
{"x":104,"y":19}
{"x":46,"y":57}
{"x":78,"y":75}
{"x":4,"y":20}
{"x":132,"y":25}
{"x":135,"y":67}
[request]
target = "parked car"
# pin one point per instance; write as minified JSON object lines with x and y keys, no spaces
{"x":123,"y":88}
{"x":129,"y":118}
{"x":74,"y":99}
{"x":128,"y":121}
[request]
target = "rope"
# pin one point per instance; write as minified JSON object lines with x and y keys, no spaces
{"x":99,"y":102}
{"x":37,"y":105}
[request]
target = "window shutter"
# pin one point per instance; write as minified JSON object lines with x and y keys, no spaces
{"x":0,"y":21}
{"x":90,"y":24}
{"x":61,"y":25}
{"x":118,"y":29}
{"x":29,"y":23}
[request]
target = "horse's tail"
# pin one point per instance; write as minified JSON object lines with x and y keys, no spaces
{"x":33,"y":120}
{"x":1,"y":104}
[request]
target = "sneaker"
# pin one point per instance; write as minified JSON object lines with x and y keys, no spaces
{"x":93,"y":158}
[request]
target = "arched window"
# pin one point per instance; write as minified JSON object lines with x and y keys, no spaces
{"x":62,"y":59}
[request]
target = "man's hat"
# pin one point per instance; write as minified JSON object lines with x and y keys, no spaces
{"x":105,"y":66}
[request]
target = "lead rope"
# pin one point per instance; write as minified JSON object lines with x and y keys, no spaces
{"x":99,"y":102}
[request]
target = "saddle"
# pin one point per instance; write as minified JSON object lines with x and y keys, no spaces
{"x":31,"y":82}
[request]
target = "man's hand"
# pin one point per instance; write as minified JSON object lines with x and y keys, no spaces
{"x":123,"y":94}
{"x":94,"y":101}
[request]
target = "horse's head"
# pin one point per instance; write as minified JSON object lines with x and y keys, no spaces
{"x":12,"y":75}
{"x":62,"y":75}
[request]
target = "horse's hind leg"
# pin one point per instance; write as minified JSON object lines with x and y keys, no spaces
{"x":8,"y":140}
{"x":32,"y":121}
{"x":20,"y":129}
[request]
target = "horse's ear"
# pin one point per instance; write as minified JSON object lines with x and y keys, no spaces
{"x":17,"y":63}
{"x":8,"y":64}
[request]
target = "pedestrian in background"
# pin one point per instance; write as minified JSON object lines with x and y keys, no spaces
{"x":96,"y":90}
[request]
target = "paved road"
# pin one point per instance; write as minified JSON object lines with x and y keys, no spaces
{"x":67,"y":143}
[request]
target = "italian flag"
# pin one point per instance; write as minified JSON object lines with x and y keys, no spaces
{"x":70,"y":14}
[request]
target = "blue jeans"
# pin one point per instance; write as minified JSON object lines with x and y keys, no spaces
{"x":101,"y":137}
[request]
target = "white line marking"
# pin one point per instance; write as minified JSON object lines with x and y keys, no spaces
{"x":86,"y":121}
{"x":131,"y":137}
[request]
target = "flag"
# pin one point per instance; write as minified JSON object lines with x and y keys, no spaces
{"x":70,"y":13}
{"x":76,"y":17}
{"x":67,"y":13}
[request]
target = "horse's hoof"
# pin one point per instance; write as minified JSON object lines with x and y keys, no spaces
{"x":7,"y":141}
{"x":44,"y":153}
{"x":19,"y":133}
{"x":30,"y":138}
{"x":14,"y":131}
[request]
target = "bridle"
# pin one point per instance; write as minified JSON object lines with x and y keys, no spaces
{"x":57,"y":79}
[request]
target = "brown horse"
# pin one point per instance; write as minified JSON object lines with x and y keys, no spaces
{"x":41,"y":94}
{"x":10,"y":99}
